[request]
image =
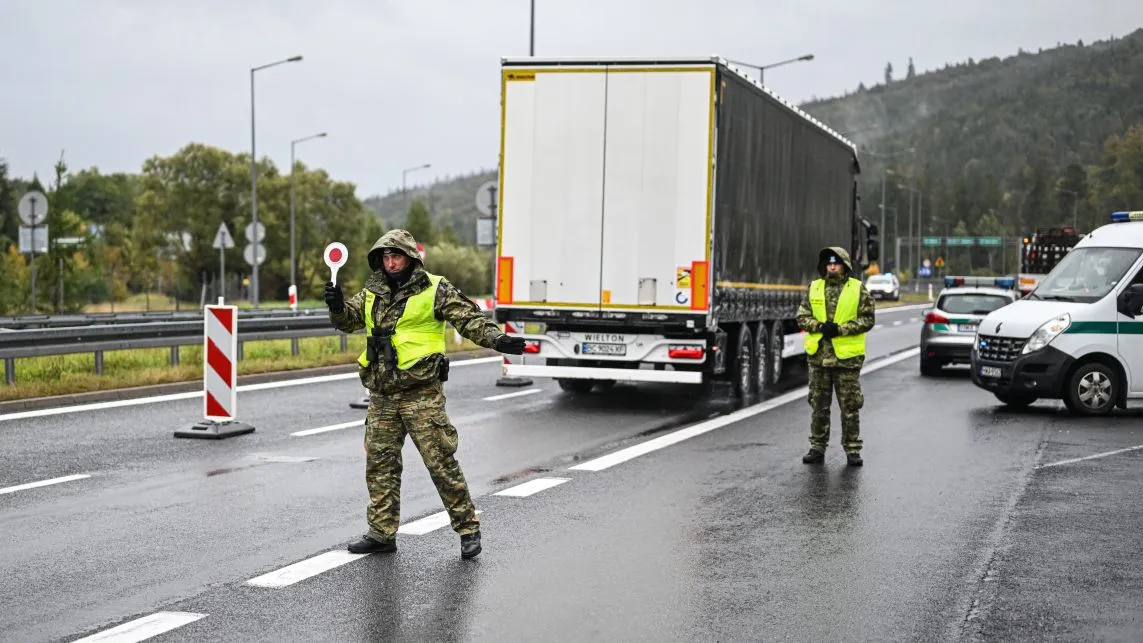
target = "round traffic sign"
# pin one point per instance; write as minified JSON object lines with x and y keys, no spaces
{"x":335,"y":256}
{"x":33,"y":208}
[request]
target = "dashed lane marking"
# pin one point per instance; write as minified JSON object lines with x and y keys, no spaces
{"x":143,"y":628}
{"x":1090,"y":457}
{"x":506,"y":396}
{"x":302,"y":570}
{"x":43,"y":483}
{"x":623,"y":455}
{"x":114,"y":404}
{"x":531,"y":487}
{"x":326,"y":429}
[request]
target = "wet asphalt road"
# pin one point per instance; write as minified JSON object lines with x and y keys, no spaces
{"x":725,"y":535}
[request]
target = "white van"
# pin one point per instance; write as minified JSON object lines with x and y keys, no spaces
{"x":1079,"y":335}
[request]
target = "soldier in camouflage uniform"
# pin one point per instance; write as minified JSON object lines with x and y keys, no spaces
{"x":404,"y":370}
{"x":836,"y":314}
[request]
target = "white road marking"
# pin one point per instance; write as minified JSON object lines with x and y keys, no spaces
{"x":114,"y":404}
{"x":531,"y":487}
{"x":302,"y":570}
{"x":332,"y":427}
{"x":898,"y":322}
{"x":530,"y":391}
{"x":913,"y":320}
{"x":1090,"y":457}
{"x":876,"y":326}
{"x":675,"y":437}
{"x":427,"y":524}
{"x":43,"y":483}
{"x":144,"y":628}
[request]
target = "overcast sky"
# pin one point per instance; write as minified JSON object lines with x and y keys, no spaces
{"x":399,"y":84}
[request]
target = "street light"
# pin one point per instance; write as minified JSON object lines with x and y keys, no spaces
{"x":762,"y":68}
{"x":532,"y":32}
{"x":404,"y":175}
{"x":293,"y":255}
{"x":254,"y":167}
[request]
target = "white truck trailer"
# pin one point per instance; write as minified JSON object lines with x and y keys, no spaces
{"x":660,"y":220}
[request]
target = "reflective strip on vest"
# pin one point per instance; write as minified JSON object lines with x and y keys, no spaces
{"x":418,"y":333}
{"x":843,"y":346}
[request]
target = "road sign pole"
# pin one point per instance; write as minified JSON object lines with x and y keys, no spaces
{"x":33,"y":256}
{"x":222,"y":274}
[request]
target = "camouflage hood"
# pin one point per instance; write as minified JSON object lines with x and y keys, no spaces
{"x":398,"y":239}
{"x":834,"y":251}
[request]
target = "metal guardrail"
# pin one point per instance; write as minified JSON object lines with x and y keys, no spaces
{"x":97,"y":339}
{"x":20,"y":322}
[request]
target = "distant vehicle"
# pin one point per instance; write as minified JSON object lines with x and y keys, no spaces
{"x":1041,"y":252}
{"x":1079,"y":335}
{"x":949,"y":329}
{"x":661,"y":220}
{"x":884,"y":286}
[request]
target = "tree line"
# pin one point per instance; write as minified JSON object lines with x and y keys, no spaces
{"x":152,"y":232}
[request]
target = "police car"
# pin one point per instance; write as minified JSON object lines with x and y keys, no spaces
{"x":949,"y":328}
{"x":1079,"y":335}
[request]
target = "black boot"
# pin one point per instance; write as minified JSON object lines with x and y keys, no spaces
{"x":369,"y":545}
{"x":854,"y":460}
{"x":470,"y":545}
{"x":813,"y":457}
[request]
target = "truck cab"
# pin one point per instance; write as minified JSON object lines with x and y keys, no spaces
{"x":1078,"y":336}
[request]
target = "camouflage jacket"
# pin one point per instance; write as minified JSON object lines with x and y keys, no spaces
{"x":450,"y":305}
{"x":863,"y":323}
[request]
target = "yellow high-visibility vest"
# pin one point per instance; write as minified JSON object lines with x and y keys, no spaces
{"x":843,"y":346}
{"x":418,"y":333}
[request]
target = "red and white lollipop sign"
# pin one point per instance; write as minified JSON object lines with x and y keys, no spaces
{"x":335,"y":256}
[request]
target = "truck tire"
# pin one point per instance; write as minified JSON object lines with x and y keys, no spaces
{"x":777,"y":344}
{"x":1093,"y":389}
{"x":743,"y":372}
{"x":576,"y":386}
{"x":762,"y":359}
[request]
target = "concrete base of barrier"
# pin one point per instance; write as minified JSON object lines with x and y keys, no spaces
{"x":362,"y":403}
{"x":212,"y":430}
{"x":504,"y":380}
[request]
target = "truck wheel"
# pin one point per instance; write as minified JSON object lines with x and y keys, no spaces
{"x":744,"y":362}
{"x":1092,"y":390}
{"x":576,"y":386}
{"x":777,"y":344}
{"x":762,"y":361}
{"x":1015,"y":400}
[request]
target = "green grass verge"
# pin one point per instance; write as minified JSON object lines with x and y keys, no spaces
{"x":71,"y":374}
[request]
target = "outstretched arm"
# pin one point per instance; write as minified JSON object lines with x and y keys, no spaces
{"x":454,"y":307}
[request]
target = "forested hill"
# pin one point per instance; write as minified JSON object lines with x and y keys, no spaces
{"x":1014,"y":138}
{"x":991,"y":146}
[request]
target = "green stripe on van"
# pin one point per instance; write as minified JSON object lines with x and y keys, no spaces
{"x":1105,"y":328}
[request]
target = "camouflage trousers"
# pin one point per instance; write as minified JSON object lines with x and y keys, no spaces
{"x":419,"y":413}
{"x":823,"y":382}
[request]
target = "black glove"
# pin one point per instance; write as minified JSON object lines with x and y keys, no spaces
{"x":510,"y":344}
{"x":830,"y":330}
{"x":333,"y":298}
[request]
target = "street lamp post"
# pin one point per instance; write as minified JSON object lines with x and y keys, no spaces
{"x":254,"y":168}
{"x":532,"y":32}
{"x":762,"y":68}
{"x":293,"y":249}
{"x":404,"y":176}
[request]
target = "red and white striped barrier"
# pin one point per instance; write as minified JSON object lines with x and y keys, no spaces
{"x":220,"y":368}
{"x":219,"y":376}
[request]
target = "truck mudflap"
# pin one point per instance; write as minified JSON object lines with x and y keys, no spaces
{"x":593,"y":373}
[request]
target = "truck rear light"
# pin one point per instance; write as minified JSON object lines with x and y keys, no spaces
{"x":531,"y":346}
{"x":936,"y":318}
{"x":685,"y":352}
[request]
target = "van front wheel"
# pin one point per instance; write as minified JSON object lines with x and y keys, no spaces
{"x":1093,"y":389}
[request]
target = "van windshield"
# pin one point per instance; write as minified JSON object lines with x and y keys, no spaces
{"x":1086,"y":274}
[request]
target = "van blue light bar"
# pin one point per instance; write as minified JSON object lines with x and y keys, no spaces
{"x":1120,"y":217}
{"x":952,"y":281}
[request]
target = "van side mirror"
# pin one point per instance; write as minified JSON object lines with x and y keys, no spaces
{"x":1130,"y":301}
{"x":872,"y":250}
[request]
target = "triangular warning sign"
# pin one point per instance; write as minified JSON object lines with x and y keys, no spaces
{"x":222,"y":238}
